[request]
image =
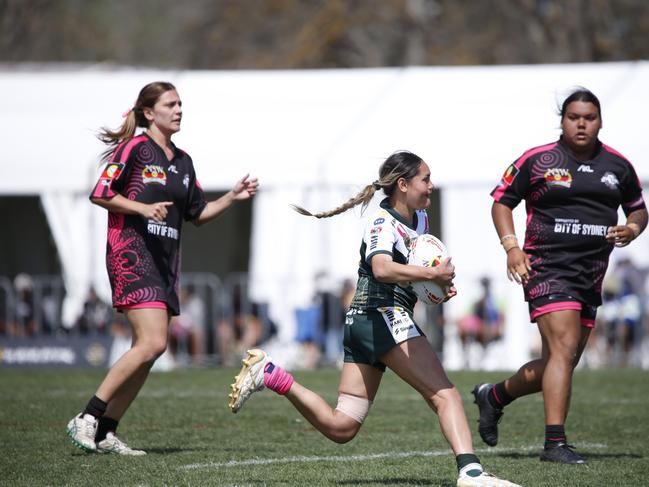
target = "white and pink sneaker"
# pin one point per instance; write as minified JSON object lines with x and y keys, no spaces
{"x":257,"y":372}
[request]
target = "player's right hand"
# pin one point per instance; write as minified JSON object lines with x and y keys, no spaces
{"x":156,"y":211}
{"x":445,"y":273}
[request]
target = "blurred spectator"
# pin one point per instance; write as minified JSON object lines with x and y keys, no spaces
{"x":484,"y":322}
{"x":119,"y":329}
{"x":50,"y":318}
{"x":320,"y":326}
{"x":488,"y":311}
{"x":309,"y":336}
{"x":621,"y":314}
{"x":6,"y":306}
{"x":25,"y":323}
{"x":188,"y":329}
{"x":240,"y":329}
{"x":96,"y":315}
{"x":333,"y":307}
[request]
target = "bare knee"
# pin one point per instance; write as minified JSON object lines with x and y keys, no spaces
{"x":443,"y":399}
{"x":565,"y":352}
{"x":151,"y":349}
{"x":343,"y":434}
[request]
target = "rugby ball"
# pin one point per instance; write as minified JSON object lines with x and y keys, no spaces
{"x":427,"y":251}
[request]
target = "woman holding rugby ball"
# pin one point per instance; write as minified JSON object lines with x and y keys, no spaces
{"x":379,"y":329}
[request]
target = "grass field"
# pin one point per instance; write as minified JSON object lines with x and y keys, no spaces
{"x":182,"y":420}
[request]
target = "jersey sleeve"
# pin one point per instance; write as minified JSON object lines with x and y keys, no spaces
{"x":379,"y":236}
{"x":196,"y":201}
{"x":515,"y":183}
{"x":115,"y":175}
{"x":631,"y":191}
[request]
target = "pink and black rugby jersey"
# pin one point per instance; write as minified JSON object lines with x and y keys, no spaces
{"x":570,"y":206}
{"x":143,"y":256}
{"x":386,"y":232}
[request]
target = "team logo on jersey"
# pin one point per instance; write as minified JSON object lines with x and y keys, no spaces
{"x":610,"y":180}
{"x":558,"y":176}
{"x":404,"y":235}
{"x":186,"y":181}
{"x":510,"y":174}
{"x":378,"y":221}
{"x":112,"y":171}
{"x":154,"y":174}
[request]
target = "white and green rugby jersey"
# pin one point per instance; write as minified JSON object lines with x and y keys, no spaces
{"x":386,"y":232}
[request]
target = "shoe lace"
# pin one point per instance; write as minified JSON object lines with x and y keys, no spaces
{"x":498,"y":414}
{"x":119,"y":444}
{"x":87,"y":428}
{"x":494,"y":414}
{"x":492,"y":411}
{"x":568,"y":449}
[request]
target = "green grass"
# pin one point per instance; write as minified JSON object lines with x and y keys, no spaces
{"x":181,"y":419}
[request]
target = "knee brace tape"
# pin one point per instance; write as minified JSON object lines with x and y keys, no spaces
{"x":353,"y":406}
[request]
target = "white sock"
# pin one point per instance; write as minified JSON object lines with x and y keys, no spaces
{"x":472,"y":468}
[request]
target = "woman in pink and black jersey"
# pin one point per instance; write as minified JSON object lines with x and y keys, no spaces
{"x":149,"y":188}
{"x":572,"y":189}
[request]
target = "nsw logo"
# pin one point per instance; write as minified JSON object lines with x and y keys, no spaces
{"x":154,"y":174}
{"x":558,"y":176}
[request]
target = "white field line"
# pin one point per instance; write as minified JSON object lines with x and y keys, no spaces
{"x":359,"y":458}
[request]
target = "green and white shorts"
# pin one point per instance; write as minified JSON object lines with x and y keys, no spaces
{"x":371,"y":333}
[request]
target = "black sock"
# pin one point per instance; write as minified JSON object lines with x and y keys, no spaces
{"x":465,"y":459}
{"x":498,"y":396}
{"x":96,"y":407}
{"x":554,"y":433}
{"x":106,"y":425}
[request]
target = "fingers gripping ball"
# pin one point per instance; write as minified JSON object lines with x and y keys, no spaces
{"x":428,"y":251}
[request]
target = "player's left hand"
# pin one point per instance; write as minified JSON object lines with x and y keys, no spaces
{"x":620,"y":235}
{"x":245,"y":188}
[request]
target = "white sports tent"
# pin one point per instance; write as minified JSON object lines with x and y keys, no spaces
{"x":314,"y":138}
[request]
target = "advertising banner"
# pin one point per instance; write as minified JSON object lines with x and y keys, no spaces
{"x":75,"y":351}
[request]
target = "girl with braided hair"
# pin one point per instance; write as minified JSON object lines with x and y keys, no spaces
{"x":379,"y":326}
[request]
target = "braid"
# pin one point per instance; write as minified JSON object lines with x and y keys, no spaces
{"x":364,"y":197}
{"x":402,"y":164}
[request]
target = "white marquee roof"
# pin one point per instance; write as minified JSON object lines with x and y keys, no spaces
{"x":315,"y":126}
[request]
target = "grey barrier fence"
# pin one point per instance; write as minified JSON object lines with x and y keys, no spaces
{"x":32,"y":310}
